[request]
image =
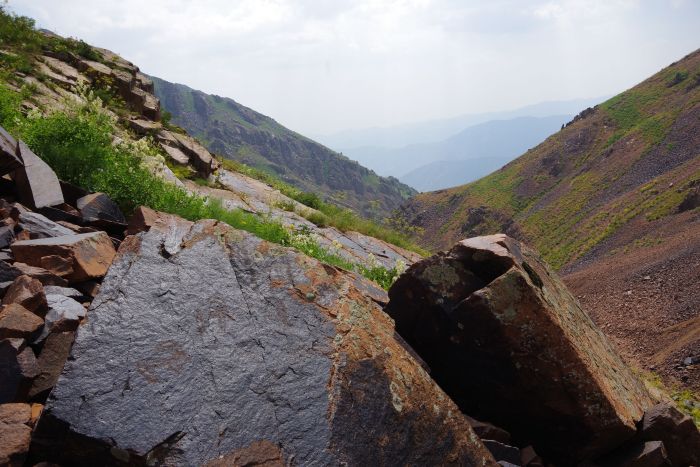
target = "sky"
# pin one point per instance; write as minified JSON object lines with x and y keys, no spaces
{"x":322,"y":66}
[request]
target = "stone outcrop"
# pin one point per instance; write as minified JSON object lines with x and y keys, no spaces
{"x":206,"y":344}
{"x":509,"y":343}
{"x":86,"y":256}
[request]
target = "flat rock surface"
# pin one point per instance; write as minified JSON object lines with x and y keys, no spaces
{"x":197,"y":352}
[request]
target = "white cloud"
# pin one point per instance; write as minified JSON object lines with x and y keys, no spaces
{"x":320,"y":66}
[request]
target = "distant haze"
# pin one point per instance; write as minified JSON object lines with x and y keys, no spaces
{"x":320,"y":66}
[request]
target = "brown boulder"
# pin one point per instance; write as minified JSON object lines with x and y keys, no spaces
{"x":17,"y":321}
{"x":679,"y":434}
{"x":27,"y":292}
{"x":89,"y":254}
{"x":15,"y":433}
{"x":51,"y":360}
{"x":509,"y":343}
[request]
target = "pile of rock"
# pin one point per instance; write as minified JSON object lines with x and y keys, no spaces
{"x":52,"y":258}
{"x":198,"y":344}
{"x":509,"y":344}
{"x":207,"y":345}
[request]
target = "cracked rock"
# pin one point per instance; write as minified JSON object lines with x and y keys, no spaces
{"x":508,"y":342}
{"x":213,"y":352}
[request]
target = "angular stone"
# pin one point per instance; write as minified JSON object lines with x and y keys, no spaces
{"x":199,"y":157}
{"x":505,"y":338}
{"x":7,"y":236}
{"x":529,"y":458}
{"x":27,"y":292}
{"x":276,"y":347}
{"x":486,"y":430}
{"x":65,"y":291}
{"x":176,"y":155}
{"x":17,"y":321}
{"x":144,"y":127}
{"x":40,"y":226}
{"x":16,"y":269}
{"x":151,"y":107}
{"x":144,"y":82}
{"x":18,"y":367}
{"x":51,"y":360}
{"x":90,"y":254}
{"x":37,"y":184}
{"x":100,"y":206}
{"x":64,"y":314}
{"x":58,"y":265}
{"x":502,"y":452}
{"x":15,"y":433}
{"x":642,"y":454}
{"x":9,"y":161}
{"x":679,"y":434}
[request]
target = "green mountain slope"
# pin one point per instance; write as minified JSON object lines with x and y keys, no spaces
{"x":602,"y":183}
{"x":237,"y":132}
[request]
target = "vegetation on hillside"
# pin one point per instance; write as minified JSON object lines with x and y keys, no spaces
{"x":328,"y":214}
{"x":629,"y":159}
{"x":77,"y":142}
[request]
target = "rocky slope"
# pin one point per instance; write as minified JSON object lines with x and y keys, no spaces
{"x":234,"y":131}
{"x":613,"y":189}
{"x":57,"y":77}
{"x":149,"y":339}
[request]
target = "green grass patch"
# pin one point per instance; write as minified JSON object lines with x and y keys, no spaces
{"x":330,"y":214}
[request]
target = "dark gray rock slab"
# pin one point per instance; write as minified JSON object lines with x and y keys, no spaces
{"x":40,"y":226}
{"x":18,"y":367}
{"x":37,"y":184}
{"x":100,"y":206}
{"x":195,"y":352}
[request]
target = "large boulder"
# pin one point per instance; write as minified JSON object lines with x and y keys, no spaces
{"x":509,"y":343}
{"x":207,"y":344}
{"x":75,"y":257}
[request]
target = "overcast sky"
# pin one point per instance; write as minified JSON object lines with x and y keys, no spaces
{"x":320,"y":66}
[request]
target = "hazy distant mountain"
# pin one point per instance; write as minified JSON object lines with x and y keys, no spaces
{"x":437,"y":130}
{"x":444,"y":174}
{"x":501,"y":140}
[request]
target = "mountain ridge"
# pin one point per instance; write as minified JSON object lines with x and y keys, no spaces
{"x":239,"y":133}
